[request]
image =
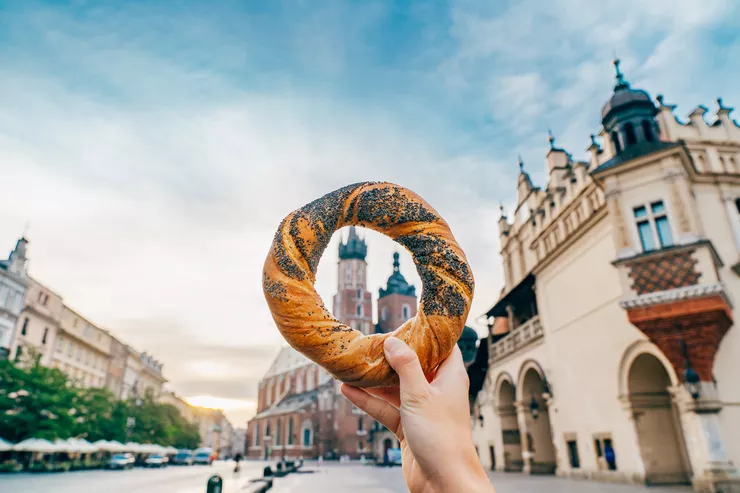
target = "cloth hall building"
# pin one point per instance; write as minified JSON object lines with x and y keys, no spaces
{"x":613,"y":351}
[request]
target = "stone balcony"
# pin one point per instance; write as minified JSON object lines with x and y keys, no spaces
{"x":517,"y":339}
{"x":675,"y":297}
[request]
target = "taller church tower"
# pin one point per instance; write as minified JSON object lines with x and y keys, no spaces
{"x":353,"y":302}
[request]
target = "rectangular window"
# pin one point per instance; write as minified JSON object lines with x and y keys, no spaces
{"x":256,"y":434}
{"x":575,"y":461}
{"x":359,"y":424}
{"x":24,"y":328}
{"x":605,"y":456}
{"x":361,"y":445}
{"x":60,"y":346}
{"x":46,"y":334}
{"x":653,"y":226}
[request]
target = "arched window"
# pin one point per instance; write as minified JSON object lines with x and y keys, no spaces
{"x":629,"y":132}
{"x":267,"y":429}
{"x":647,"y":129}
{"x":406,"y":312}
{"x":290,"y":431}
{"x":615,"y":141}
{"x":278,"y":433}
{"x":359,"y":309}
{"x":307,"y":436}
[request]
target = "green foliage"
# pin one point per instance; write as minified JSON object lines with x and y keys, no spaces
{"x":11,"y":466}
{"x":35,"y":402}
{"x":162,"y":424}
{"x":39,"y":402}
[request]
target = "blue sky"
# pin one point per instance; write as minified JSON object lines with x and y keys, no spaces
{"x":154,"y":146}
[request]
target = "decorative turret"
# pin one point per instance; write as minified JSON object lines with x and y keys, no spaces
{"x":354,"y":248}
{"x":397,"y":284}
{"x":17,"y":261}
{"x":629,"y":116}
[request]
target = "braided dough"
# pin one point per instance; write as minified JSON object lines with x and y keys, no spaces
{"x":290,"y":271}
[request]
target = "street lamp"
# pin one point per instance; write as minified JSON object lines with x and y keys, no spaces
{"x":534,"y":408}
{"x":691,"y":378}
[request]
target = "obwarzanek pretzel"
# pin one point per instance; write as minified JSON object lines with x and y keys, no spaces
{"x":352,"y":357}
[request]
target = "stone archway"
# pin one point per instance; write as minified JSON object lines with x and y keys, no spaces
{"x":513,"y":461}
{"x":539,"y":445}
{"x":657,"y":423}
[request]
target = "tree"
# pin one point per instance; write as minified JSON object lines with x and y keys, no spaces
{"x":35,"y":402}
{"x":99,"y":415}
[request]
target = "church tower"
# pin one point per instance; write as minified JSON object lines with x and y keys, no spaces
{"x":353,"y":302}
{"x":397,"y":302}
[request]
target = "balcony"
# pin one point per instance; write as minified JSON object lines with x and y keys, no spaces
{"x":517,"y":339}
{"x":675,"y":297}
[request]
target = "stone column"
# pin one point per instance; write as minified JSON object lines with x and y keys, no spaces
{"x":522,"y":411}
{"x":712,"y":470}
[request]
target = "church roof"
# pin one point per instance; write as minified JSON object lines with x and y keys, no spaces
{"x":354,"y":248}
{"x":291,"y":404}
{"x":287,"y":359}
{"x":396,"y":283}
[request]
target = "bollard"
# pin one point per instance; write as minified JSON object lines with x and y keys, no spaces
{"x":215,"y":484}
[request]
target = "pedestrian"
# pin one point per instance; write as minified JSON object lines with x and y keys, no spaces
{"x":430,"y":419}
{"x":237,"y":460}
{"x":321,"y":461}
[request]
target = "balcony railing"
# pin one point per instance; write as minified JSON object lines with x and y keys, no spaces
{"x":522,"y":336}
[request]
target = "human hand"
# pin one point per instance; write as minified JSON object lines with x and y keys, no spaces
{"x":431,"y":421}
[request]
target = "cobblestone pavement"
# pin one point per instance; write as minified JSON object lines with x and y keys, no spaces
{"x":173,"y":479}
{"x":368,"y":479}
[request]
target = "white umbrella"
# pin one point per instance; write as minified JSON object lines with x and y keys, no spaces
{"x":114,"y":446}
{"x":5,"y":445}
{"x":171,"y":450}
{"x":65,"y":445}
{"x":132,"y":447}
{"x":35,"y":445}
{"x":85,"y":446}
{"x":101,"y":445}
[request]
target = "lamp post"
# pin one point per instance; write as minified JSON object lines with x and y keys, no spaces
{"x":691,"y":378}
{"x":534,"y":408}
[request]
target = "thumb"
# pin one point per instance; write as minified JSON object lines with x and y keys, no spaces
{"x":406,"y":363}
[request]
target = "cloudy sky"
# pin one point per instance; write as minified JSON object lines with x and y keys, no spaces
{"x":155,"y":146}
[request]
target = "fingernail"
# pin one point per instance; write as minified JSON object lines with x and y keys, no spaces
{"x":393,"y":345}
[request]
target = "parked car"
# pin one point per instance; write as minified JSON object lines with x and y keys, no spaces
{"x":203,"y":456}
{"x":121,"y":461}
{"x":183,"y":458}
{"x":156,"y":460}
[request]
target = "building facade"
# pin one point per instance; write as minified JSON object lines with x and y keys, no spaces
{"x":353,"y":303}
{"x":612,"y":349}
{"x":13,"y":286}
{"x":38,"y":324}
{"x":151,"y":379}
{"x":82,"y":350}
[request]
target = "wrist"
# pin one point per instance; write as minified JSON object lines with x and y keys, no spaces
{"x":464,"y":475}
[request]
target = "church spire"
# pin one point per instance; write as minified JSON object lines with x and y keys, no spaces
{"x":621,"y":82}
{"x":355,"y":247}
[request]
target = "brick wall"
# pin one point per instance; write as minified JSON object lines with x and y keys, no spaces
{"x":394,"y":305}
